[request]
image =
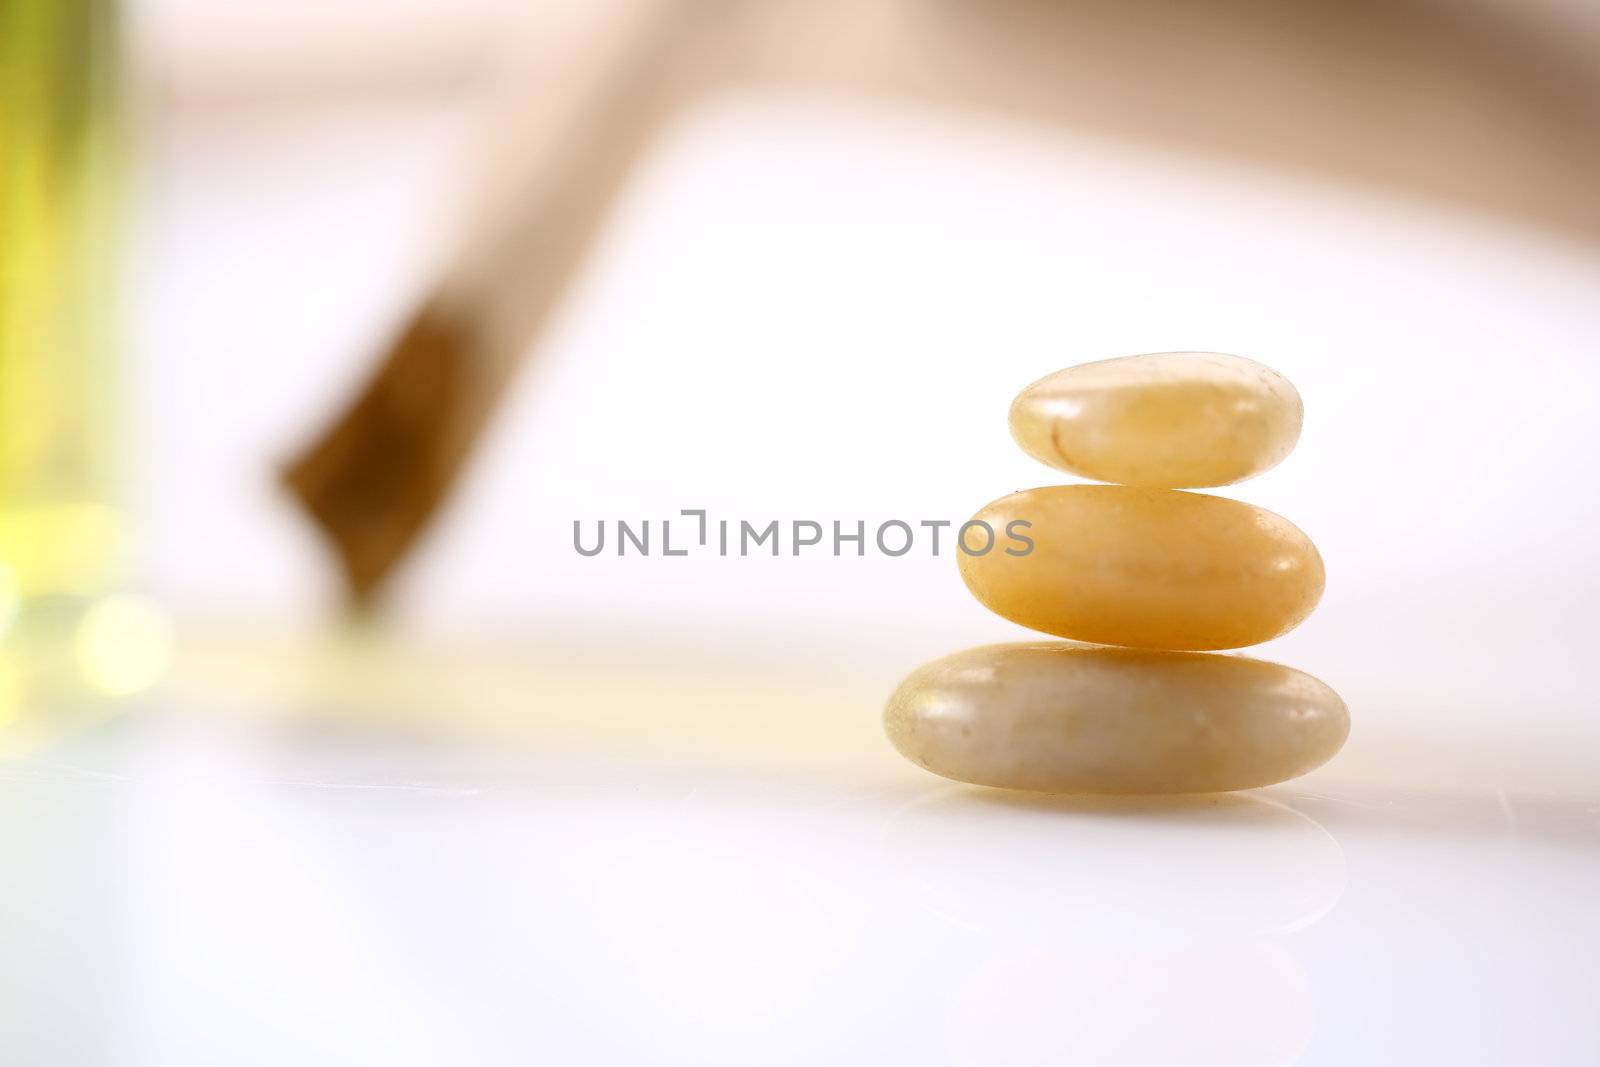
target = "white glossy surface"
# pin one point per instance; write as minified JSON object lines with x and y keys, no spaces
{"x":186,"y":888}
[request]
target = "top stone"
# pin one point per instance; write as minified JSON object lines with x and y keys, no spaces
{"x":1168,"y":420}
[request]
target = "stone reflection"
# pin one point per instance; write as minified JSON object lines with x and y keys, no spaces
{"x":1116,"y":930}
{"x":1035,"y":870}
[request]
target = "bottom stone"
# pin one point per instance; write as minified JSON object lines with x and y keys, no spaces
{"x":1059,"y":717}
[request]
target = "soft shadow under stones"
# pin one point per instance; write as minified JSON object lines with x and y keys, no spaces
{"x":1047,"y":868}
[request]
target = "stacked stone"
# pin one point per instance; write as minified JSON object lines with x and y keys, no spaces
{"x":1164,"y":576}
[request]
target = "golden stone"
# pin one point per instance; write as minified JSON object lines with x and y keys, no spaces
{"x":1062,"y":718}
{"x":1169,"y":420}
{"x":1147,"y":568}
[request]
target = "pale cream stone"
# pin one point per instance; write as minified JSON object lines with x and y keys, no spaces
{"x":1147,"y":568}
{"x":1168,"y":420}
{"x":1058,"y":717}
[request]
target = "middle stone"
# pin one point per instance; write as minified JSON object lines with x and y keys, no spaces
{"x":1146,"y":568}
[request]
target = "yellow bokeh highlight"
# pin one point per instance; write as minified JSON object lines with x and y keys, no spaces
{"x":123,"y":645}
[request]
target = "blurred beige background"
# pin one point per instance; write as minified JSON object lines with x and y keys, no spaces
{"x":819,"y":306}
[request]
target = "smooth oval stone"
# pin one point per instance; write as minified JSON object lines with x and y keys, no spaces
{"x":1169,"y":420}
{"x":1056,"y":717}
{"x":1147,"y":568}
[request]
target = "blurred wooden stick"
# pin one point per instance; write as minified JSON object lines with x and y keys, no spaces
{"x":1403,"y":96}
{"x":608,"y":70}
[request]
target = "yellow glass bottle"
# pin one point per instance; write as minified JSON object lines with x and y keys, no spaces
{"x":60,"y":176}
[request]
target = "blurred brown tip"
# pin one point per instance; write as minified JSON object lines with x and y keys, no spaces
{"x":374,"y":479}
